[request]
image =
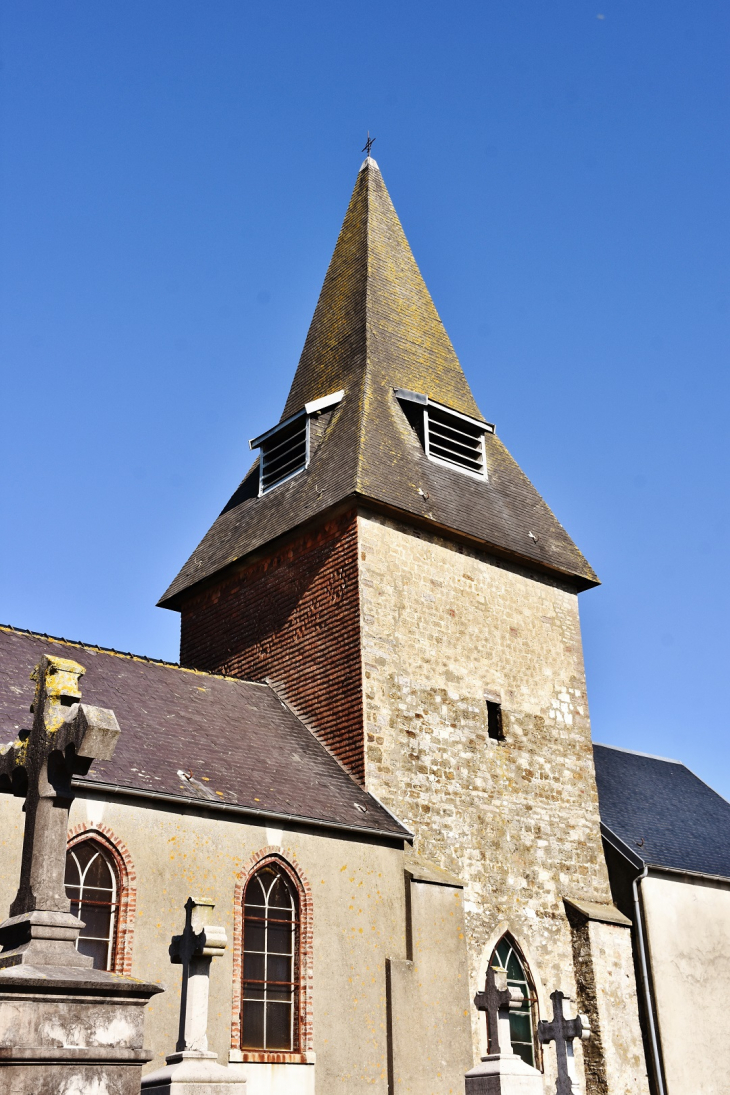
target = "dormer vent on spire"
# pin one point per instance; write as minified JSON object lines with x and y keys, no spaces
{"x":448,"y":436}
{"x":285,"y":448}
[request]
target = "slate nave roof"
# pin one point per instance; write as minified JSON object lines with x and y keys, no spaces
{"x":662,"y":813}
{"x":242,"y":746}
{"x":375,"y":329}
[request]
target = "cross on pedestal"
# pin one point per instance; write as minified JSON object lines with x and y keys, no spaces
{"x":562,"y":1031}
{"x":198,"y":945}
{"x":192,"y":1067}
{"x":65,"y":737}
{"x":496,"y":1000}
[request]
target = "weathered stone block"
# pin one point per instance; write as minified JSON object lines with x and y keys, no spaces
{"x":501,"y":1075}
{"x":76,"y":1031}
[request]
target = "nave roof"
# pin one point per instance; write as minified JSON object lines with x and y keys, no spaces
{"x":238,"y":744}
{"x":662,"y":813}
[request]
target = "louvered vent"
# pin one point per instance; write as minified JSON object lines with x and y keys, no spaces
{"x":285,"y":449}
{"x":447,"y":436}
{"x":454,"y":439}
{"x":284,"y":452}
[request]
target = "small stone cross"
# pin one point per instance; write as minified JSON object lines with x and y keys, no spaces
{"x":65,"y":738}
{"x":199,"y":943}
{"x":496,"y":1000}
{"x":562,"y":1031}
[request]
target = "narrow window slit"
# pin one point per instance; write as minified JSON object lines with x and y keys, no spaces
{"x":494,"y":720}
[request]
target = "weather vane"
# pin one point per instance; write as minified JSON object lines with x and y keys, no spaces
{"x":369,"y":144}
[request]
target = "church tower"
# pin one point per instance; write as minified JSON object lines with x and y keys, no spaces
{"x":389,"y":567}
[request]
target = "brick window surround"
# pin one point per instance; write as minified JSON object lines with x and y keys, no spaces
{"x":121,"y":860}
{"x":286,"y":861}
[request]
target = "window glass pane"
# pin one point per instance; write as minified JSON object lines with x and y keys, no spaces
{"x":254,"y":936}
{"x":520,"y":1026}
{"x":84,"y":853}
{"x":280,"y":939}
{"x":98,"y":874}
{"x":502,"y":952}
{"x":253,"y":966}
{"x":280,"y":993}
{"x":280,"y":898}
{"x":97,"y":921}
{"x":255,"y":893}
{"x":72,"y":870}
{"x":278,"y":1026}
{"x":253,"y":1025}
{"x":98,"y":949}
{"x":278,"y":968}
{"x":282,"y":915}
{"x":514,"y":968}
{"x":526,"y":1052}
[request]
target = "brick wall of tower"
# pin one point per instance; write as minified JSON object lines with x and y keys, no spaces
{"x":293,"y":616}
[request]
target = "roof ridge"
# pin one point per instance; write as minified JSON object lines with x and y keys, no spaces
{"x":363,"y":388}
{"x":10,"y":628}
{"x":637,"y":753}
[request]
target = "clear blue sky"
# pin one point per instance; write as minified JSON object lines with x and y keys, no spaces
{"x":172,"y":180}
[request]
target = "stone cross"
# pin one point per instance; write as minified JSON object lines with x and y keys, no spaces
{"x":198,"y":945}
{"x":65,"y":737}
{"x":496,"y":1000}
{"x":562,"y":1031}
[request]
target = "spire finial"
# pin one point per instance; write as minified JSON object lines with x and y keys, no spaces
{"x":369,"y":144}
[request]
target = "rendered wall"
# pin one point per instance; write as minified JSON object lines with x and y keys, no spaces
{"x":431,"y":982}
{"x":359,"y":922}
{"x":516,"y":820}
{"x":688,"y":939}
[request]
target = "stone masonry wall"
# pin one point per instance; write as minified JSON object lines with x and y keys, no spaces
{"x":292,"y":616}
{"x":517,"y":820}
{"x":604,"y":964}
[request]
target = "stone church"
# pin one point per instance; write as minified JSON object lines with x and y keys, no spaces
{"x":375,"y":756}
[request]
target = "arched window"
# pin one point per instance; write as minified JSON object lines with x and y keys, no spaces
{"x":270,"y":999}
{"x":522,"y":1021}
{"x":93,"y":890}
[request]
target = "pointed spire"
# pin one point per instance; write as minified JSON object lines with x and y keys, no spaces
{"x":375,"y":329}
{"x":375,"y":319}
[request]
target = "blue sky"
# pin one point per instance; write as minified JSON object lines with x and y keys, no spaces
{"x":172,"y":181}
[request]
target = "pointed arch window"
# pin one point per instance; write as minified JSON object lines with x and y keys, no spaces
{"x":92,"y":887}
{"x":523,"y":1020}
{"x":271,"y":962}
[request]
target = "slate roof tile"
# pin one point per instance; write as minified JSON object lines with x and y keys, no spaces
{"x":239,"y":742}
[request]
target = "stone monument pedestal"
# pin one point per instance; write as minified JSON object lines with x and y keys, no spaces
{"x":503,"y":1074}
{"x":194,"y":1074}
{"x":71,"y":1029}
